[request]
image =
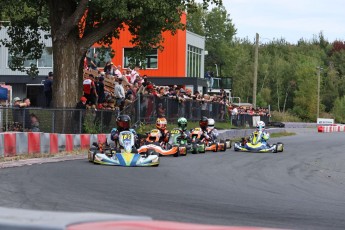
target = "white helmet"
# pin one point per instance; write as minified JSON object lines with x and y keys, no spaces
{"x":210,"y":123}
{"x":260,"y":125}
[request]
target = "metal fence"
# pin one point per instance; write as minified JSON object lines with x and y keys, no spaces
{"x":144,"y":109}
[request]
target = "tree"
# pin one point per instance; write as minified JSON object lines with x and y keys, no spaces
{"x":75,"y":25}
{"x":218,"y":29}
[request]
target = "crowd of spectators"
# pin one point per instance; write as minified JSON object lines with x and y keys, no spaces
{"x":157,"y":101}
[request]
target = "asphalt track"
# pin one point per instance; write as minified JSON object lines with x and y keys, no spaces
{"x":301,"y":188}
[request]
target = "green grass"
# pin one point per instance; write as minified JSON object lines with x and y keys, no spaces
{"x":282,"y":134}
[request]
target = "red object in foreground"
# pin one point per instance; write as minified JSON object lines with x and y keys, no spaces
{"x":154,"y":225}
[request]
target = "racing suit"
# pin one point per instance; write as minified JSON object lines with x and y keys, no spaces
{"x":164,"y":137}
{"x":114,"y":135}
{"x":211,"y":134}
{"x":263,"y":137}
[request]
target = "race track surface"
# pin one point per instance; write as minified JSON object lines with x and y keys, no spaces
{"x":301,"y":188}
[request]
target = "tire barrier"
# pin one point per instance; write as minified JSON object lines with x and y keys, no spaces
{"x":330,"y":128}
{"x":20,"y":143}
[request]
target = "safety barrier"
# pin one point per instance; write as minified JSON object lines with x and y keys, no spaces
{"x":20,"y":143}
{"x":330,"y":128}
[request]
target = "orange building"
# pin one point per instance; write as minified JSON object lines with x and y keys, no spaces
{"x":182,"y":58}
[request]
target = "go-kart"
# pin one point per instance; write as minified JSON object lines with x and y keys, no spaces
{"x":176,"y":145}
{"x":257,"y":145}
{"x":196,"y":143}
{"x":217,"y":145}
{"x":127,"y":155}
{"x":211,"y":144}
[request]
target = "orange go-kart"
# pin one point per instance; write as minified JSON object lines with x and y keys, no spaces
{"x":151,"y":142}
{"x":210,"y":145}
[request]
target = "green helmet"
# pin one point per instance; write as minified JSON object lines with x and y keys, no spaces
{"x":182,"y":123}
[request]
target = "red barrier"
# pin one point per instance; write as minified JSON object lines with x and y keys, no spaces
{"x":84,"y":141}
{"x":10,"y":149}
{"x":34,"y":142}
{"x":54,"y":143}
{"x":69,"y":142}
{"x":101,"y":138}
{"x":320,"y":129}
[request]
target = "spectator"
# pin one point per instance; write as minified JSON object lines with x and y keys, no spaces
{"x":48,"y":89}
{"x":118,"y":71}
{"x":26,"y":115}
{"x":119,"y":93}
{"x":89,"y":89}
{"x":79,"y":115}
{"x":94,"y":62}
{"x":107,"y":67}
{"x":100,"y":89}
{"x":17,"y":115}
{"x":134,"y":74}
{"x":34,"y":123}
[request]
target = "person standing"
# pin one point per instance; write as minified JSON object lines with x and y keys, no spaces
{"x":100,"y":89}
{"x":89,"y":90}
{"x":48,"y":89}
{"x":27,"y":118}
{"x":119,"y":92}
{"x":79,"y":115}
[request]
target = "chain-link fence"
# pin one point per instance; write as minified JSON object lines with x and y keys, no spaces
{"x":144,"y":109}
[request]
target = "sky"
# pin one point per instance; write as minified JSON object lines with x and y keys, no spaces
{"x":288,"y":19}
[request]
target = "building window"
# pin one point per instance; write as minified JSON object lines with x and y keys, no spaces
{"x":103,"y":55}
{"x":151,"y":61}
{"x":46,"y":60}
{"x":193,"y":61}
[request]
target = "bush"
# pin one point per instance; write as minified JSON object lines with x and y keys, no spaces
{"x":284,"y":117}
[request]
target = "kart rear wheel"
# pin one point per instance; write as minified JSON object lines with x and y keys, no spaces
{"x":280,"y":147}
{"x":222,"y":146}
{"x":216,"y":148}
{"x":203,"y":149}
{"x":228,"y":143}
{"x":177,"y":154}
{"x":194,"y":148}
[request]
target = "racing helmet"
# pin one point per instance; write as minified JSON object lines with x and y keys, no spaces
{"x":210,"y":123}
{"x":123,"y":122}
{"x":203,"y":122}
{"x":182,"y":123}
{"x":260,"y":126}
{"x":161,"y":123}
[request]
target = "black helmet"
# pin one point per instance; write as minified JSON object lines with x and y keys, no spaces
{"x":123,"y":122}
{"x":203,"y":122}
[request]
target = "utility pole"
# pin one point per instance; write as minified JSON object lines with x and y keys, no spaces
{"x":256,"y":60}
{"x":318,"y":91}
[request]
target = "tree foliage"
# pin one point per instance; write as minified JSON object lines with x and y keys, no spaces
{"x":75,"y":25}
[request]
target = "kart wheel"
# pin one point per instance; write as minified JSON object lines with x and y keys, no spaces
{"x":216,"y":148}
{"x":177,"y":154}
{"x":203,"y":148}
{"x":228,"y":143}
{"x":183,"y":150}
{"x":194,"y":149}
{"x":280,"y":147}
{"x":222,"y":146}
{"x":275,"y":150}
{"x":236,"y":149}
{"x":151,"y":152}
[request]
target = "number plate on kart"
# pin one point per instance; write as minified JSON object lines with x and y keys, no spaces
{"x":175,"y":131}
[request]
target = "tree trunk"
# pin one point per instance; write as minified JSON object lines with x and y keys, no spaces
{"x":67,"y":87}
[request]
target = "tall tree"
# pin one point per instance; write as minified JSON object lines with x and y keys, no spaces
{"x":75,"y":25}
{"x":218,"y":29}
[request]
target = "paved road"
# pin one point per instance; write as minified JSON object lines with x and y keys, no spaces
{"x":301,"y":188}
